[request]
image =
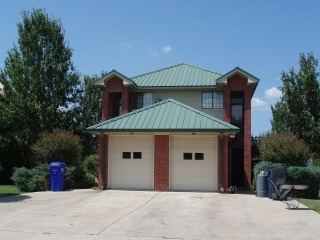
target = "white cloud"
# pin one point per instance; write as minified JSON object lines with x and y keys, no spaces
{"x":166,"y":49}
{"x":272,"y":94}
{"x":258,"y":104}
{"x":127,"y":45}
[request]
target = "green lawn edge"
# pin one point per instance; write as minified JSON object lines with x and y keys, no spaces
{"x":9,"y":190}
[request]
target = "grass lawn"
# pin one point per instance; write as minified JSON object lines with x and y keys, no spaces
{"x":9,"y":190}
{"x":313,"y":204}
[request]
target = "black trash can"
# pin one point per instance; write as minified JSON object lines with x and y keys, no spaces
{"x":276,"y":177}
{"x":57,"y":170}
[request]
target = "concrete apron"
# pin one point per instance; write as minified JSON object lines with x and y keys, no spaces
{"x":115,"y":214}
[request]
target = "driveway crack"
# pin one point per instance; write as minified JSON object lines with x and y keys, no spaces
{"x":128,"y":213}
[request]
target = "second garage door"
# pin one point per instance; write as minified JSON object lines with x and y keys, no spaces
{"x":193,"y":163}
{"x":131,"y":162}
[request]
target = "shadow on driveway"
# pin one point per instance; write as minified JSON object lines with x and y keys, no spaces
{"x":17,"y":198}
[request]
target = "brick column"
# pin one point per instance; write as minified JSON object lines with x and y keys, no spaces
{"x":103,"y":162}
{"x":125,"y":100}
{"x":161,"y":162}
{"x":105,"y":104}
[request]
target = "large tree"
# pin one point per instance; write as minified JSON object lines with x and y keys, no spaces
{"x":41,"y":86}
{"x":89,"y":113}
{"x":298,"y":110}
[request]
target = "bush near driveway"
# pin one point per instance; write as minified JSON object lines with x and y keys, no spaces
{"x":295,"y":175}
{"x":32,"y":180}
{"x":306,"y":176}
{"x":285,"y":148}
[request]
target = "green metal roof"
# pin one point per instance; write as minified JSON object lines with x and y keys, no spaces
{"x":165,"y":116}
{"x":181,"y":75}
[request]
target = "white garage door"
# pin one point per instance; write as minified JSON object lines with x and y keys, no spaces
{"x":131,"y":162}
{"x":194,"y":163}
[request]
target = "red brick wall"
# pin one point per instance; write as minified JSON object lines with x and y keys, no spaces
{"x":239,"y":83}
{"x":114,"y":85}
{"x":225,"y":162}
{"x":161,"y":162}
{"x":103,"y":161}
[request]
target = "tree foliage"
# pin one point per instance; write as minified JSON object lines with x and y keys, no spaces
{"x":298,"y":110}
{"x":284,"y":148}
{"x":59,"y":146}
{"x":89,"y":113}
{"x":41,"y":87}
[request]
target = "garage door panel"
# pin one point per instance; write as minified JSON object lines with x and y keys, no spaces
{"x":193,"y":174}
{"x":131,"y":173}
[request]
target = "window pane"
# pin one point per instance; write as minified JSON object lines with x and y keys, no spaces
{"x":147,"y":99}
{"x":126,"y":155}
{"x":237,"y":98}
{"x":217,"y":100}
{"x":137,"y":100}
{"x":198,"y":156}
{"x":141,"y":100}
{"x":207,"y":100}
{"x":187,"y":156}
{"x":137,"y":155}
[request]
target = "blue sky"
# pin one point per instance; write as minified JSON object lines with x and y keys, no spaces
{"x":262,"y":37}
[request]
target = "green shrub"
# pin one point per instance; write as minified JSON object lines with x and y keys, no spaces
{"x":307,"y":176}
{"x":261,"y":166}
{"x":284,"y":148}
{"x":91,"y":163}
{"x":59,"y":146}
{"x":31,"y":180}
{"x":77,"y":177}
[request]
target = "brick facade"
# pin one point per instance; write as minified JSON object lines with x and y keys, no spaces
{"x":238,"y":83}
{"x":103,"y":162}
{"x":114,"y":86}
{"x":161,"y":162}
{"x":235,"y":83}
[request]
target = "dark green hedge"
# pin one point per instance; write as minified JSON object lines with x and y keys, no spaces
{"x":38,"y":179}
{"x":32,"y":180}
{"x":295,"y":175}
{"x":307,"y":176}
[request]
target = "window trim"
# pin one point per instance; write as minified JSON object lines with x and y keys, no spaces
{"x":143,"y":103}
{"x":212,"y":98}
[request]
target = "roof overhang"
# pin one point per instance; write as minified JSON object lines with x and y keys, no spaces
{"x":169,"y":116}
{"x":102,"y":81}
{"x":251,"y":79}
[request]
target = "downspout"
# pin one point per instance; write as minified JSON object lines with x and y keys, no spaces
{"x":103,"y":161}
{"x":221,"y":164}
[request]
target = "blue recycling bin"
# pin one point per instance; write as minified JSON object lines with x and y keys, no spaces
{"x":57,"y":170}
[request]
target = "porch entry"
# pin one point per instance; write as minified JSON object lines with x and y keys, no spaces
{"x":237,"y":167}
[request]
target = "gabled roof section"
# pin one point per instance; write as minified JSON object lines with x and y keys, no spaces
{"x":181,"y":75}
{"x":102,"y":81}
{"x":251,"y":79}
{"x":165,"y":116}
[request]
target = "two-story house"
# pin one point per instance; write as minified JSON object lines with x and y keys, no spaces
{"x":177,"y":128}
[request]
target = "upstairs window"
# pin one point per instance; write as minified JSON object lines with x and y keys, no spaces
{"x":237,"y":111}
{"x":212,"y":100}
{"x":141,"y":100}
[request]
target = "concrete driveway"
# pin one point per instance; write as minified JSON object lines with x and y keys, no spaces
{"x":113,"y":214}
